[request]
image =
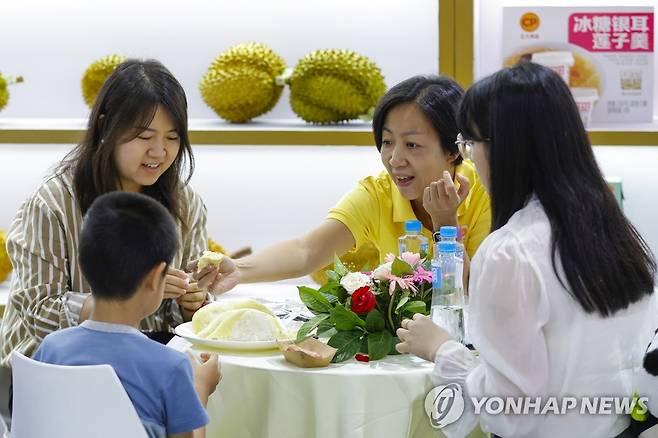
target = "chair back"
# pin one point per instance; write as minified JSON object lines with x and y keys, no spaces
{"x":57,"y":401}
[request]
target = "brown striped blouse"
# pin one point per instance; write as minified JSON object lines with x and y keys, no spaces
{"x":48,"y":288}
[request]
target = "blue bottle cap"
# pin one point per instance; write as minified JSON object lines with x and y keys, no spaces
{"x":447,"y":247}
{"x":448,"y":231}
{"x":412,"y":226}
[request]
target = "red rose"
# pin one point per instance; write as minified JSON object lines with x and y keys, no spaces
{"x":363,"y":301}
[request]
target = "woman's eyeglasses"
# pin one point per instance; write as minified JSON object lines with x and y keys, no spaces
{"x":464,"y":146}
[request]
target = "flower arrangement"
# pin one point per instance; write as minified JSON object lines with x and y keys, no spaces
{"x":360,"y":311}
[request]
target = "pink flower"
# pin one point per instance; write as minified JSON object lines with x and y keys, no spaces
{"x":422,"y":276}
{"x":390,"y":258}
{"x":403,"y":283}
{"x":410,"y":257}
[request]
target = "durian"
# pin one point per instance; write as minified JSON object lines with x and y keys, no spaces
{"x":364,"y":257}
{"x":5,"y":81}
{"x":5,"y":263}
{"x":215,"y":247}
{"x":330,"y":86}
{"x":241,"y":320}
{"x":96,"y":74}
{"x":244,"y":82}
{"x":209,"y":258}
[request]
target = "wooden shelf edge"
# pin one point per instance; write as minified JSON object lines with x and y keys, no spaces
{"x":320,"y":136}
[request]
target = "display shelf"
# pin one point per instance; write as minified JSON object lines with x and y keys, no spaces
{"x":204,"y":132}
{"x":284,"y":132}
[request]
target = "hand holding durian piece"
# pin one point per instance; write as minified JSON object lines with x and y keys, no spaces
{"x":214,"y":272}
{"x":326,"y":86}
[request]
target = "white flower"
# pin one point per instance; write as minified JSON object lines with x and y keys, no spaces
{"x":382,"y":271}
{"x":353,"y":281}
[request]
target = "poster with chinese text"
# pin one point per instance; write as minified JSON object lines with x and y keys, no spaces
{"x":607,"y":51}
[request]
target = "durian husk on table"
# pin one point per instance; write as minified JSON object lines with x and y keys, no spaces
{"x":243,"y":82}
{"x":366,"y":256}
{"x":332,"y":86}
{"x":5,"y":82}
{"x":96,"y":74}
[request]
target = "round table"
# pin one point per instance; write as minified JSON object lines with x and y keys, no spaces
{"x":265,"y":396}
{"x":262,"y":395}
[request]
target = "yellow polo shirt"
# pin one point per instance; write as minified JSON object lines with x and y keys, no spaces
{"x":375,"y":212}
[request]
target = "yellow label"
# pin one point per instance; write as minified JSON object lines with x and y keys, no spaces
{"x":529,"y":22}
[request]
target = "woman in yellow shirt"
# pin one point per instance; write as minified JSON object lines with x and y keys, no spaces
{"x":425,"y":178}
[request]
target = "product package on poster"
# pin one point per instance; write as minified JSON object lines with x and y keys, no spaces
{"x":604,"y":53}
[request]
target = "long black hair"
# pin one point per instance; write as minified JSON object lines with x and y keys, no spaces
{"x":129,"y":99}
{"x":436,"y":96}
{"x":536,"y":144}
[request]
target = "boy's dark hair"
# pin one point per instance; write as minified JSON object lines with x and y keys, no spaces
{"x":536,"y":144}
{"x":124,"y":236}
{"x":436,"y":96}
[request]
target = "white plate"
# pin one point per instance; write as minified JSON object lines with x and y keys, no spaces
{"x":185,"y":331}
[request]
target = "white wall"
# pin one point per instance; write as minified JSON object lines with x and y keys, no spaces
{"x":51,"y":43}
{"x":258,"y":195}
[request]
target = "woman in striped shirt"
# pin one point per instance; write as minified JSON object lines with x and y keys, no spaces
{"x":136,"y":141}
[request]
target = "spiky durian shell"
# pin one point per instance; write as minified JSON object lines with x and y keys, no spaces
{"x":330,"y":86}
{"x":96,"y":74}
{"x":240,"y":84}
{"x":5,"y":263}
{"x":366,"y":255}
{"x":4,"y":93}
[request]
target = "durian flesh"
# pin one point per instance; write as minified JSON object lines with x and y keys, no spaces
{"x":237,"y":320}
{"x":330,"y":86}
{"x":240,"y":84}
{"x":209,"y":258}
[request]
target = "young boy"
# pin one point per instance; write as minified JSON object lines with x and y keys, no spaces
{"x":126,"y":244}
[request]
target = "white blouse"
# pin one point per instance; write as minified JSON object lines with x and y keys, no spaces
{"x":535,"y":340}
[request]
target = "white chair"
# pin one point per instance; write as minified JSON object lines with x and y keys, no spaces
{"x":58,"y":401}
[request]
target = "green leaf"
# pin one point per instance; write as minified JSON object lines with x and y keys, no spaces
{"x":310,"y":325}
{"x":339,"y":267}
{"x":415,"y":307}
{"x":347,"y":343}
{"x":314,"y":300}
{"x":330,"y":287}
{"x":331,"y":298}
{"x":345,"y":319}
{"x":364,"y":345}
{"x":395,"y":341}
{"x":333,"y":277}
{"x":326,"y":329}
{"x":403,"y":300}
{"x":400,"y":268}
{"x":379,"y":344}
{"x":375,"y":321}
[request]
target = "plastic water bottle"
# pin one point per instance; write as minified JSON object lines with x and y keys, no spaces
{"x":413,"y":241}
{"x":449,"y":234}
{"x":447,"y":298}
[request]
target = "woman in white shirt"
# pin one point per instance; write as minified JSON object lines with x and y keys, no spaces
{"x":562,"y":301}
